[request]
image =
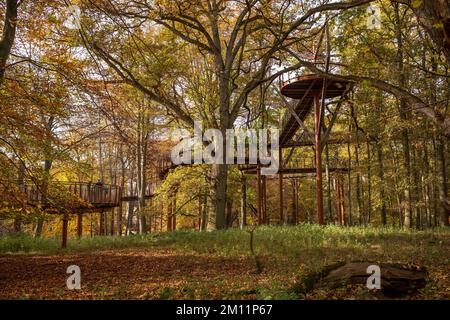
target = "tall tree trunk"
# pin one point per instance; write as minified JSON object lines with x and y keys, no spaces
{"x":328,"y":178}
{"x":434,"y":16}
{"x":396,"y":183}
{"x":349,"y":153}
{"x":229,"y":213}
{"x":142,"y":191}
{"x":142,"y":149}
{"x":359,"y":191}
{"x":359,"y":184}
{"x":101,"y":228}
{"x":21,"y":185}
{"x":218,"y":192}
{"x":174,"y":211}
{"x":442,"y":182}
{"x":404,"y":117}
{"x":169,"y":214}
{"x":122,"y":186}
{"x":161,"y":216}
{"x":369,"y":183}
{"x":131,"y":203}
{"x":426,"y":184}
{"x":45,"y":179}
{"x":139,"y":170}
{"x":381,"y":191}
{"x":9,"y":34}
{"x":113,"y":182}
{"x":130,"y":214}
{"x":417,"y":195}
{"x":433,"y":101}
{"x":204,"y":214}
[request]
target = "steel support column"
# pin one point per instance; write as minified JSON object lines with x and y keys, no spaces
{"x":318,"y":154}
{"x":258,"y":192}
{"x":280,"y":185}
{"x":264,"y":198}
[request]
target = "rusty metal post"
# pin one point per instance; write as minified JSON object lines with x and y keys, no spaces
{"x":338,"y":201}
{"x":264,"y":198}
{"x":80,"y":225}
{"x":297,"y":185}
{"x":318,"y":154}
{"x":258,"y":192}
{"x":280,"y":184}
{"x":341,"y":200}
{"x":64,"y":231}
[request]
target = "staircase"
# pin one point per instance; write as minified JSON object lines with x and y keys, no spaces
{"x":304,"y":89}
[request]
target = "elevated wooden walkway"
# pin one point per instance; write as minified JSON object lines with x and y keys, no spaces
{"x":65,"y":198}
{"x":79,"y":197}
{"x":292,"y":171}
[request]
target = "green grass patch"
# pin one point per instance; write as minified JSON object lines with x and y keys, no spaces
{"x":289,"y":242}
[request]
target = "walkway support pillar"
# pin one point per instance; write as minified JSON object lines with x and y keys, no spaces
{"x":280,"y":184}
{"x":258,"y":192}
{"x":264,"y":197}
{"x":318,"y":154}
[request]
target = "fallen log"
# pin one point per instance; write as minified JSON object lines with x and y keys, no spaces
{"x":396,"y":279}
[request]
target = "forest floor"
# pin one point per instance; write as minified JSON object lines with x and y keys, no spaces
{"x":193,"y":265}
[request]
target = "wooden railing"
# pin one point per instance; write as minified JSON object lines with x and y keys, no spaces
{"x":74,"y":194}
{"x":82,"y":194}
{"x":149,"y":192}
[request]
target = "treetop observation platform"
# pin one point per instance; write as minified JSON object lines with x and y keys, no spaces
{"x":308,"y":89}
